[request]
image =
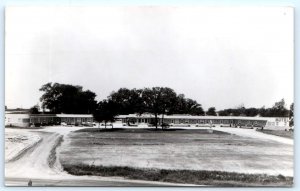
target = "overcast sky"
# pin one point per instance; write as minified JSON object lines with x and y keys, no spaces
{"x":221,"y":57}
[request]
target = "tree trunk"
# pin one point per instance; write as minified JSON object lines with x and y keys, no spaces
{"x":156,"y":121}
{"x":162,"y":121}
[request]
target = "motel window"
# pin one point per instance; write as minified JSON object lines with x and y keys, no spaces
{"x":25,"y":120}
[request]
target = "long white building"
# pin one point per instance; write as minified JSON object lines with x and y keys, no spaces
{"x":279,"y":123}
{"x":24,"y":119}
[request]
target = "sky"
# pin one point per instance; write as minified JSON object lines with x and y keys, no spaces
{"x":219,"y":56}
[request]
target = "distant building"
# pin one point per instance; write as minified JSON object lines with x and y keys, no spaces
{"x":23,"y":118}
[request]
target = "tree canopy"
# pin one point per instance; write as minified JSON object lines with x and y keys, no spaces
{"x":34,"y":109}
{"x":211,"y":111}
{"x":106,"y":111}
{"x":65,"y":98}
{"x":155,"y":100}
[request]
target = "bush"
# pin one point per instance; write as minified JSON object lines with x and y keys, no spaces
{"x":37,"y":124}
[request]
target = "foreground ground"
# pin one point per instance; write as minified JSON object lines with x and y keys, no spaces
{"x":225,"y":149}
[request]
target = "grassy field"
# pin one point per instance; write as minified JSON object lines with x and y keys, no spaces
{"x":286,"y":134}
{"x":177,"y":151}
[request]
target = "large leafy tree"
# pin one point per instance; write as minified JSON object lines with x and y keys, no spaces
{"x":66,"y":98}
{"x":158,"y":100}
{"x":155,"y":100}
{"x":106,"y":111}
{"x":127,"y":101}
{"x":211,"y":111}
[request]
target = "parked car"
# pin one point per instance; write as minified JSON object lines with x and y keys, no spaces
{"x":165,"y":125}
{"x":64,"y":124}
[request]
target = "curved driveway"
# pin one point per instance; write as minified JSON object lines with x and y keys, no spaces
{"x":34,"y":165}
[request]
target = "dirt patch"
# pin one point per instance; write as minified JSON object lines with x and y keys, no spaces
{"x":19,"y":142}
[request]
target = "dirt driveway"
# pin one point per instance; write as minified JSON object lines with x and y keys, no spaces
{"x":34,"y":165}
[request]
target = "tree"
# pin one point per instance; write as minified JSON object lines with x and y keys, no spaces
{"x":251,"y":112}
{"x":158,"y":100}
{"x":166,"y":101}
{"x":279,"y":110}
{"x":182,"y":105}
{"x":193,"y":108}
{"x":241,"y":110}
{"x":225,"y":112}
{"x":105,"y":111}
{"x":65,"y":98}
{"x":291,"y":116}
{"x":128,"y":101}
{"x":34,"y":109}
{"x":211,"y":111}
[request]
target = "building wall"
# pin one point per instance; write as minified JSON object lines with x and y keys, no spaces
{"x":25,"y":120}
{"x":76,"y":120}
{"x":17,"y":120}
{"x":279,"y":123}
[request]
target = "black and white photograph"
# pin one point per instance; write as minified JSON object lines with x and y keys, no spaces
{"x":149,"y":96}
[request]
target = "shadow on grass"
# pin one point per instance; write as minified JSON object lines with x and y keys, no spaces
{"x":15,"y":127}
{"x":214,"y":178}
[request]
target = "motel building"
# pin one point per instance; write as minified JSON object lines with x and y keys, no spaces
{"x":25,"y":119}
{"x":274,"y":123}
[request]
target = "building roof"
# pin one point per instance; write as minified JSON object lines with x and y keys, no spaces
{"x":194,"y":117}
{"x":75,"y":115}
{"x":43,"y":115}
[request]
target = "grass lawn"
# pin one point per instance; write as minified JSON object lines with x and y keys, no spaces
{"x":178,"y":153}
{"x":286,"y":134}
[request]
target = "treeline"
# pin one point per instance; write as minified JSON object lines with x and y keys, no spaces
{"x":153,"y":100}
{"x":156,"y":100}
{"x":65,"y":98}
{"x":278,"y":110}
